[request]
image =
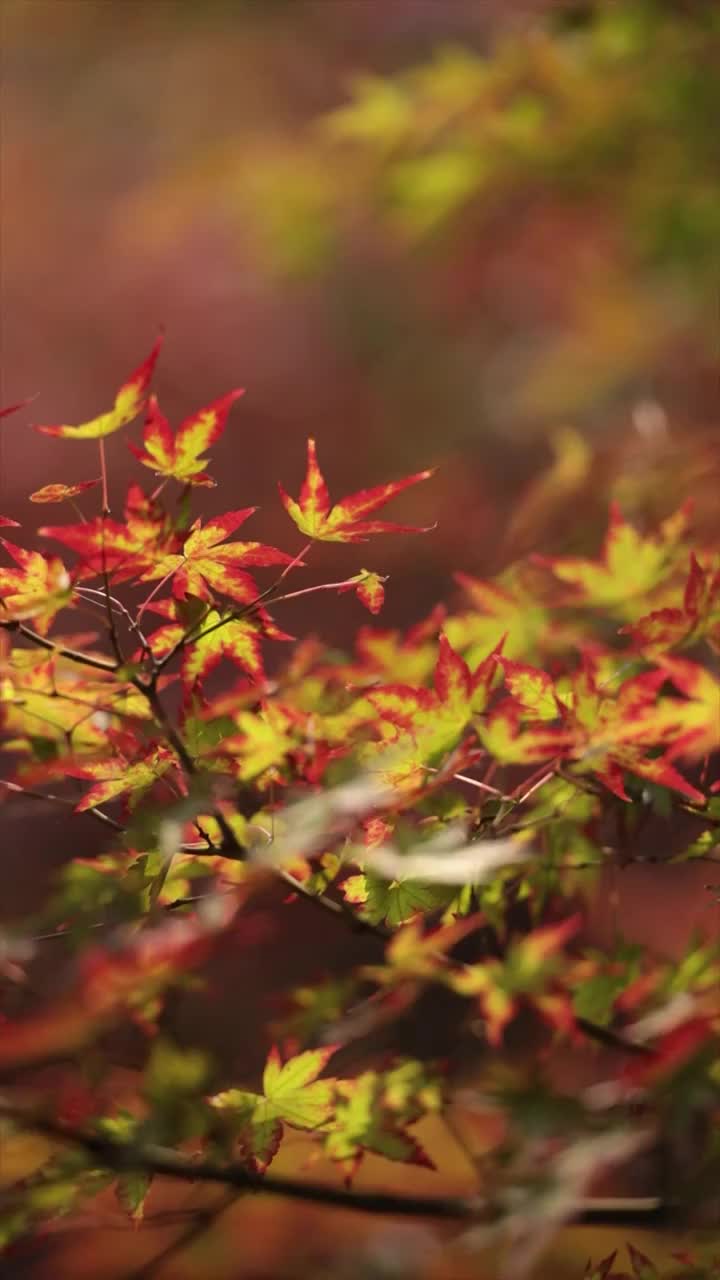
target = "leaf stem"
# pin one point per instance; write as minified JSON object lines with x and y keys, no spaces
{"x":103,"y":477}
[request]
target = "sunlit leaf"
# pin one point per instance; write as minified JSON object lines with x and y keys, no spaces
{"x":179,"y":456}
{"x":345,"y":521}
{"x":128,"y":404}
{"x":204,"y":566}
{"x":62,"y":492}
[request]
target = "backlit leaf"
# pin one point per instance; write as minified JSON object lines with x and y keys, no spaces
{"x":34,"y":591}
{"x":61,"y":492}
{"x":204,"y":566}
{"x":179,"y":456}
{"x":630,"y":567}
{"x":128,"y":404}
{"x":344,"y":522}
{"x":116,"y":777}
{"x":292,"y":1094}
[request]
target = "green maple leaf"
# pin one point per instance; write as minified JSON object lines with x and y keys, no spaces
{"x":292,"y":1095}
{"x":373,"y":1111}
{"x":393,"y":901}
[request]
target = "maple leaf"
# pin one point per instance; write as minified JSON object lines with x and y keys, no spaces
{"x":510,"y":739}
{"x":414,"y":951}
{"x":698,"y":616}
{"x":598,"y":730}
{"x":120,"y":550}
{"x":37,"y":590}
{"x":394,"y":902}
{"x":121,"y":774}
{"x":345,"y":521}
{"x":527,"y":970}
{"x":61,"y":492}
{"x":45,"y":700}
{"x":409,"y":658}
{"x":436,"y":717}
{"x":417,"y":726}
{"x":128,"y":404}
{"x":532,"y":689}
{"x":368,"y":588}
{"x":178,"y":456}
{"x":674,"y":1048}
{"x":502,"y":608}
{"x":695,"y":723}
{"x":13,"y":408}
{"x":631,"y":566}
{"x":204,"y":566}
{"x":372,"y":1114}
{"x":552,"y":489}
{"x":263,"y":741}
{"x":292,"y":1095}
{"x":218,"y":636}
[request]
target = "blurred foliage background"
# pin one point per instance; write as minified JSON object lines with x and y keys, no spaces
{"x":483,"y":234}
{"x":425,"y":232}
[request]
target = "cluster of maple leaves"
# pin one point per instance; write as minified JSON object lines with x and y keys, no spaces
{"x":563,"y":691}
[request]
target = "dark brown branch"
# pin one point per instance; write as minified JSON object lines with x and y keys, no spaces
{"x":161,"y":1162}
{"x":73,"y":655}
{"x":612,"y":1039}
{"x":149,"y":690}
{"x":592,"y":1030}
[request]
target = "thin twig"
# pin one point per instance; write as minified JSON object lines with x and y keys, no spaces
{"x":96,"y":813}
{"x":103,"y":477}
{"x":118,"y":604}
{"x":471,"y":782}
{"x":73,"y":655}
{"x":203,"y":1220}
{"x":235,"y":616}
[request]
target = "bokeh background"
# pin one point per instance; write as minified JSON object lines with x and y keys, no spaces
{"x":477,"y":234}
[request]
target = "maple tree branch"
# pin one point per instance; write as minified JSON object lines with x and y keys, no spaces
{"x":471,"y":782}
{"x":73,"y":655}
{"x":162,"y":1162}
{"x":244,"y":613}
{"x":149,"y":691}
{"x":332,"y":905}
{"x":96,"y":813}
{"x":612,"y":1039}
{"x":112,"y":629}
{"x":132,"y":622}
{"x":319,"y":586}
{"x":605,"y":1036}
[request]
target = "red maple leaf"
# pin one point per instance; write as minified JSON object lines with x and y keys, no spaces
{"x":128,"y":404}
{"x":178,"y":456}
{"x":344,"y":522}
{"x":121,"y":550}
{"x":203,"y":566}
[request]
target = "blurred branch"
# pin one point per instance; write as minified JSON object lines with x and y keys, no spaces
{"x":161,"y":1162}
